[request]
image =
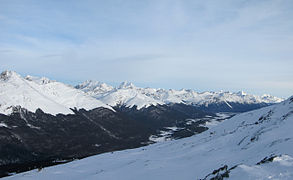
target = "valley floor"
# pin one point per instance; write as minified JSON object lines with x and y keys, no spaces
{"x":252,"y":145}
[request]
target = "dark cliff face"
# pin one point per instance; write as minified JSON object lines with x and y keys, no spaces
{"x":38,"y":139}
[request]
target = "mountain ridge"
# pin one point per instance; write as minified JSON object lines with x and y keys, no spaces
{"x":129,"y":95}
{"x":55,"y":97}
{"x":51,"y":96}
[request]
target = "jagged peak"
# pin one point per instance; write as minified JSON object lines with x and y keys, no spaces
{"x":241,"y":93}
{"x":95,"y":86}
{"x":39,"y":80}
{"x":88,"y":83}
{"x":271,"y":99}
{"x":6,"y":75}
{"x":126,"y":85}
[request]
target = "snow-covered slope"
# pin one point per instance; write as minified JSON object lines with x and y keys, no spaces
{"x":252,"y":145}
{"x":129,"y":95}
{"x":33,"y":93}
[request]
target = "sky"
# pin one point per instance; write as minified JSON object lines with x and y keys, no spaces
{"x":205,"y":45}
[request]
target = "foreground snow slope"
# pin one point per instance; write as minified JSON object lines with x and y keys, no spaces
{"x":129,"y":95}
{"x":245,"y":142}
{"x":33,"y":93}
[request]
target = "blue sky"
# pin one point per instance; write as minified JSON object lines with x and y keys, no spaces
{"x":194,"y":44}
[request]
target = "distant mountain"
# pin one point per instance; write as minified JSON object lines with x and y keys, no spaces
{"x":127,"y":94}
{"x":94,"y":87}
{"x":55,"y":97}
{"x":50,"y":96}
{"x":252,"y":145}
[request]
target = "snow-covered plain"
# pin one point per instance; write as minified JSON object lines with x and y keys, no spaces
{"x":251,"y":145}
{"x":50,"y":96}
{"x":129,"y":95}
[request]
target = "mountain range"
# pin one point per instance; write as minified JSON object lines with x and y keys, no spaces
{"x":129,"y":95}
{"x":55,"y":97}
{"x":32,"y":93}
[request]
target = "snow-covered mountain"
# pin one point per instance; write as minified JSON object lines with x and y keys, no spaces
{"x":129,"y":95}
{"x":94,"y":87}
{"x":33,"y":93}
{"x":55,"y":97}
{"x":251,"y":145}
{"x":125,"y":94}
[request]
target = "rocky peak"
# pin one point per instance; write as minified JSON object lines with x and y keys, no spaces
{"x":126,"y":85}
{"x":6,"y":75}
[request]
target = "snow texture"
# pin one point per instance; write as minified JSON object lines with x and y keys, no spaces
{"x":50,"y":96}
{"x":54,"y":97}
{"x":251,"y":145}
{"x":129,"y":95}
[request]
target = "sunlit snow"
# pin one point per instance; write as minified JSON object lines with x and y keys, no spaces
{"x":251,"y":145}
